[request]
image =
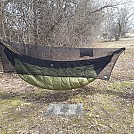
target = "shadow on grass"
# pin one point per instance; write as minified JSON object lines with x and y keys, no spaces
{"x":61,"y":96}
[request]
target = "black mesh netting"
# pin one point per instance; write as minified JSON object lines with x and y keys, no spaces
{"x":103,"y":59}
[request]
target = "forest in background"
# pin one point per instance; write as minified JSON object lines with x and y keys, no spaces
{"x":69,"y":23}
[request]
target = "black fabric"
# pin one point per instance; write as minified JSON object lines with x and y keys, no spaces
{"x":98,"y":63}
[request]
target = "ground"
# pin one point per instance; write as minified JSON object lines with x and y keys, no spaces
{"x":108,"y":105}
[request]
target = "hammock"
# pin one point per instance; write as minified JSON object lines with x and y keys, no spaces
{"x":58,"y":68}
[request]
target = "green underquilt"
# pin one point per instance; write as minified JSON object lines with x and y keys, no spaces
{"x":56,"y":83}
{"x":26,"y":68}
{"x":52,"y":82}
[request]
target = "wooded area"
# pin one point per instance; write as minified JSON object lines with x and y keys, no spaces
{"x":70,"y":23}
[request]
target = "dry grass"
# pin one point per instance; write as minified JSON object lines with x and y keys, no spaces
{"x":108,"y":106}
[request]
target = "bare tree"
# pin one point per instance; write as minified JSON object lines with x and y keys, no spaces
{"x":52,"y":22}
{"x":117,"y":20}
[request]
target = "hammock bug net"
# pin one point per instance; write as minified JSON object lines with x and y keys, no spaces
{"x":58,"y":65}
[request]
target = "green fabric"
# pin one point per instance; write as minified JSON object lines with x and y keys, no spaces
{"x":56,"y":83}
{"x":26,"y":68}
{"x":50,"y":82}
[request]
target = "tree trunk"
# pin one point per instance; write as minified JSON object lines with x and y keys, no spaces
{"x":117,"y":37}
{"x":35,"y":23}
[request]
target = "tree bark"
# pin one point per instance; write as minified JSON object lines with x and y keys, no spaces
{"x":117,"y":38}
